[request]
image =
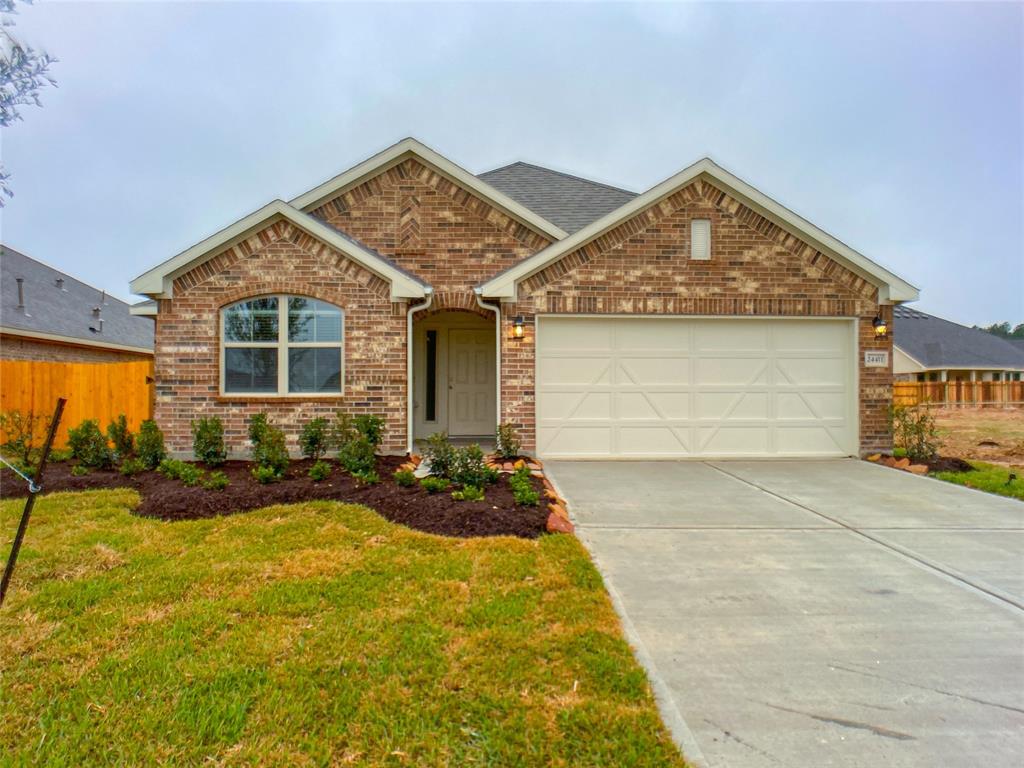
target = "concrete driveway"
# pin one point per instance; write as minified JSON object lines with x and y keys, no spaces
{"x":815,"y":613}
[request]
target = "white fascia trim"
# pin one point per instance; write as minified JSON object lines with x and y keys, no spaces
{"x":891,"y":287}
{"x":73,"y":340}
{"x":158,"y":282}
{"x":143,"y":309}
{"x":412,"y":148}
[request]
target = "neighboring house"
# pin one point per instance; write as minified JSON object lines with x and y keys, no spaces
{"x":700,"y":318}
{"x":48,"y":315}
{"x":928,"y":348}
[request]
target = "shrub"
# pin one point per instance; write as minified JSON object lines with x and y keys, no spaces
{"x":914,"y":430}
{"x":313,"y":438}
{"x":23,"y":431}
{"x":899,"y":453}
{"x":506,"y":441}
{"x":149,"y":446}
{"x":357,"y":456}
{"x":433,"y":484}
{"x":171,"y":468}
{"x":121,"y":437}
{"x":468,"y":466}
{"x":265,"y":475}
{"x":366,"y":478}
{"x":342,"y":431}
{"x":405,"y":478}
{"x":89,"y":445}
{"x":258,"y":425}
{"x":440,"y":454}
{"x":468,"y":493}
{"x":320,"y":471}
{"x":271,"y":451}
{"x":132,"y":466}
{"x":490,"y":475}
{"x":79,"y":470}
{"x":64,"y":454}
{"x":208,"y":441}
{"x":522,"y":488}
{"x":371,"y":428}
{"x":216,"y":481}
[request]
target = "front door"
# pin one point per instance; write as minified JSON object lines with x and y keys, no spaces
{"x":471,"y":383}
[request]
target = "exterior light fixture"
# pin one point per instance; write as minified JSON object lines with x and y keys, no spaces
{"x":518,"y":327}
{"x":881,"y":327}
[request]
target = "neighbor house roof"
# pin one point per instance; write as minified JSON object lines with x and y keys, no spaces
{"x":940,"y":344}
{"x":566,"y":200}
{"x":61,"y":308}
{"x":890,"y":286}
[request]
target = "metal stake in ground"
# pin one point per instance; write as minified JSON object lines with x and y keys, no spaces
{"x":34,"y":488}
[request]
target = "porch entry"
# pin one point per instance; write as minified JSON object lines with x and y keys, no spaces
{"x":454,"y":376}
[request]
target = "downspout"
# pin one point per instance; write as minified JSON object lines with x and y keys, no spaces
{"x":496,"y":309}
{"x":408,"y":364}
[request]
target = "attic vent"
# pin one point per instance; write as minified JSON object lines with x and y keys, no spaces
{"x":700,"y":239}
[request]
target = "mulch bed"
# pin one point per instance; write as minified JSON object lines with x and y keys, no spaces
{"x":940,"y":464}
{"x":165,"y":499}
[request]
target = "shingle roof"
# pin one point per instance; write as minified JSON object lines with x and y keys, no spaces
{"x":65,"y":310}
{"x":567,"y":201}
{"x":938,"y":343}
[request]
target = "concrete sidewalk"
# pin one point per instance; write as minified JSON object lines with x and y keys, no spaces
{"x":823,"y":613}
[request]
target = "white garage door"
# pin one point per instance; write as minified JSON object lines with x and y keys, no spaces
{"x":670,"y":387}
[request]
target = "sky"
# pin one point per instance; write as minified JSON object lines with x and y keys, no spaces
{"x":897,"y":128}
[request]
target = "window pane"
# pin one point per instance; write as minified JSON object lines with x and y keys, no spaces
{"x":316,"y":369}
{"x":312,"y":320}
{"x":250,"y":370}
{"x":253,"y":320}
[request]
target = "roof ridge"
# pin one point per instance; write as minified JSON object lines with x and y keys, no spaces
{"x":572,"y":176}
{"x":65,"y":275}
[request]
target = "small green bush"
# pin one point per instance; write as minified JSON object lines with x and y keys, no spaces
{"x":320,"y":471}
{"x":366,"y":478}
{"x":265,"y":475}
{"x":190,"y":475}
{"x":208,"y":441}
{"x":357,"y":456}
{"x":899,"y":453}
{"x":23,"y":431}
{"x":216,"y":481}
{"x":58,"y":455}
{"x":468,"y":466}
{"x":258,"y":425}
{"x":171,"y":468}
{"x":491,"y":475}
{"x":405,"y":478}
{"x":371,"y":428}
{"x":506,"y":441}
{"x":79,"y":470}
{"x":269,"y":450}
{"x":89,"y":445}
{"x":914,"y":430}
{"x":121,"y":437}
{"x":149,"y":446}
{"x":132,"y":466}
{"x":313,"y":438}
{"x":522,"y":488}
{"x":342,"y":431}
{"x":440,"y":454}
{"x":433,"y":484}
{"x":468,"y":493}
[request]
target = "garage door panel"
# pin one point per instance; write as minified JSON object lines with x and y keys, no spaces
{"x":676,"y":387}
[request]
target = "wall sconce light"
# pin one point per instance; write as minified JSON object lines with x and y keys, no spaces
{"x":880,"y":326}
{"x":518,"y":327}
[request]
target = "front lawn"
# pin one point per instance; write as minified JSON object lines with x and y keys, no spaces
{"x":988,"y":477}
{"x":312,"y":634}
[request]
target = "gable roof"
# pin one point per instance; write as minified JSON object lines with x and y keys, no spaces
{"x":890,"y":286}
{"x":408,"y":148}
{"x":159,"y":281}
{"x":937,"y":343}
{"x":569,"y":201}
{"x":64,"y":312}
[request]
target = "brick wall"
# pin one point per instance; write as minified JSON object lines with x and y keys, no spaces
{"x":279,"y":259}
{"x":644,"y":267}
{"x":21,"y":348}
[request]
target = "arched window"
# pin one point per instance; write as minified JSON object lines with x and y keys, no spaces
{"x":282,"y":345}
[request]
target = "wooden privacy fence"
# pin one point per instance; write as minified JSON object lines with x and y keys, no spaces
{"x":99,"y":391}
{"x":955,"y":393}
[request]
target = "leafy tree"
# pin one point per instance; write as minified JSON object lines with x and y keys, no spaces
{"x":23,"y":72}
{"x":1003,"y":330}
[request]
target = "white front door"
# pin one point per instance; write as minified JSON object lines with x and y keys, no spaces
{"x":471,"y":383}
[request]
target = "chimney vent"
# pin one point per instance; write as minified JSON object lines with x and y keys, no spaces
{"x":21,"y":292}
{"x":60,"y":283}
{"x":95,"y":329}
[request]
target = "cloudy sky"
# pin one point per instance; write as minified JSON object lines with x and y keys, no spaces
{"x":895,"y":127}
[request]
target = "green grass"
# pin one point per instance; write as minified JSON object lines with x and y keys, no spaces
{"x":988,"y":477}
{"x":314,"y":634}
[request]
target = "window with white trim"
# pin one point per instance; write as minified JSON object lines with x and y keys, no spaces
{"x":282,"y":345}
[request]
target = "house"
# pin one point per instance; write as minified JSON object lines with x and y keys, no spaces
{"x":928,"y":348}
{"x":48,"y":315}
{"x":699,"y":318}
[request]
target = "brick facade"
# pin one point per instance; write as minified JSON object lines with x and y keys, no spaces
{"x":21,"y":348}
{"x":454,"y":240}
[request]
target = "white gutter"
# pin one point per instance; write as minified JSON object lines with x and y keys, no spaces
{"x":408,"y":364}
{"x":496,"y":309}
